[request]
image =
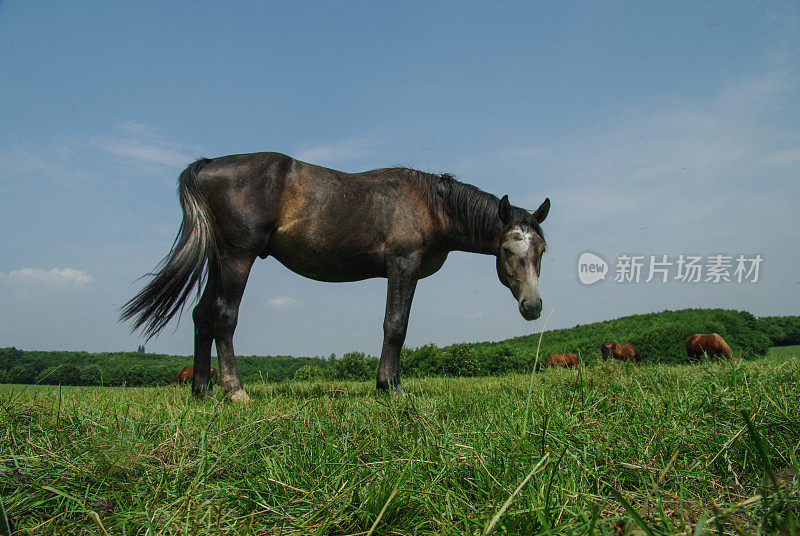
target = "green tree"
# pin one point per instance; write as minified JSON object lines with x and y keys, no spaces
{"x":313,"y":372}
{"x":48,"y":376}
{"x":498,"y":359}
{"x":91,"y":375}
{"x":460,"y":361}
{"x":69,"y":374}
{"x":115,"y":375}
{"x":135,"y":376}
{"x":354,"y":366}
{"x":9,"y":357}
{"x":22,"y":374}
{"x":422,"y":361}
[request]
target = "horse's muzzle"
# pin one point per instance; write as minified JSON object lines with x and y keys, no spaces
{"x":530,"y":309}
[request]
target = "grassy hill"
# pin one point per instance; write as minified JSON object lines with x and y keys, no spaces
{"x":659,"y":337}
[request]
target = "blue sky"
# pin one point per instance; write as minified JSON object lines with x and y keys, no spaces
{"x":655,"y":129}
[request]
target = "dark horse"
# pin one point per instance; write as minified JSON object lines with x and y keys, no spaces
{"x":326,"y":225}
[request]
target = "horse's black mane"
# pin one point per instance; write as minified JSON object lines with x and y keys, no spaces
{"x":475,"y":210}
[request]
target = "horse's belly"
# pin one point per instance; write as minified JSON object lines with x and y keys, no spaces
{"x":332,"y":273}
{"x":322,"y":262}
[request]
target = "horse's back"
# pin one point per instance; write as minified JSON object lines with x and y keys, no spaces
{"x":627,"y":351}
{"x":258,"y":168}
{"x":562,"y":360}
{"x":711,"y":343}
{"x":285,"y":192}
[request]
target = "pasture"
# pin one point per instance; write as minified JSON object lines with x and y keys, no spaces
{"x":608,"y":448}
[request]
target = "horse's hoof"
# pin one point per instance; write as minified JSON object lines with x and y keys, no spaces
{"x":393,"y":390}
{"x":239,"y":395}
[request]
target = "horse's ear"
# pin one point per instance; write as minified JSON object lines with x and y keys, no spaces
{"x":505,"y":210}
{"x":541,"y":212}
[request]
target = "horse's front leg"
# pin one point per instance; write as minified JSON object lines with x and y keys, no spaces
{"x":398,"y":305}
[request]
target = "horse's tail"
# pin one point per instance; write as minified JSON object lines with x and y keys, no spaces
{"x":184,"y":266}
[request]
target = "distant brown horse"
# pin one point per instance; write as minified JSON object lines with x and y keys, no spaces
{"x":622,"y":351}
{"x":712,"y":344}
{"x":186,"y":375}
{"x":562,"y":360}
{"x":326,"y":225}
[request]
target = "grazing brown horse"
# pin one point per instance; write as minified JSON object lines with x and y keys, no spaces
{"x":187,"y":373}
{"x":712,"y":344}
{"x":623,"y":352}
{"x":327,"y":225}
{"x":562,"y":360}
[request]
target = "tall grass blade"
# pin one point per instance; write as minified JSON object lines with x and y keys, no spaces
{"x":761,"y":449}
{"x":62,"y":494}
{"x":533,"y":372}
{"x":631,"y":511}
{"x":593,"y":522}
{"x":383,"y":511}
{"x":490,"y":526}
{"x":6,"y":526}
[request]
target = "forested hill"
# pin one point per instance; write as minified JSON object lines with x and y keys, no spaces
{"x":659,"y":337}
{"x":662,"y":336}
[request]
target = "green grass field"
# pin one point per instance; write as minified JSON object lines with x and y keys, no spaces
{"x":608,"y":449}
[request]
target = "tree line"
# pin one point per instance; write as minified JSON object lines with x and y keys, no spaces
{"x":128,"y":368}
{"x":659,"y":337}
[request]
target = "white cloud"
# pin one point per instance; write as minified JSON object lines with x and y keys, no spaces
{"x":41,"y":168}
{"x":137,"y":128}
{"x":55,"y":278}
{"x":681,"y":164}
{"x":340,"y":150}
{"x":141,"y":142}
{"x":146,"y":152}
{"x":782,"y":157}
{"x":283,"y":302}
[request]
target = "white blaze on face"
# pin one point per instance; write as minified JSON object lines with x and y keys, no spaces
{"x":520,"y":246}
{"x":520,"y":243}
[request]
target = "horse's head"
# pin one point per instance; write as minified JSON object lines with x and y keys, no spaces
{"x":519,"y":255}
{"x":607,"y":348}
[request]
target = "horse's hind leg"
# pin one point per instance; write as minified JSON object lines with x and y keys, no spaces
{"x":203,"y":316}
{"x":229,"y":287}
